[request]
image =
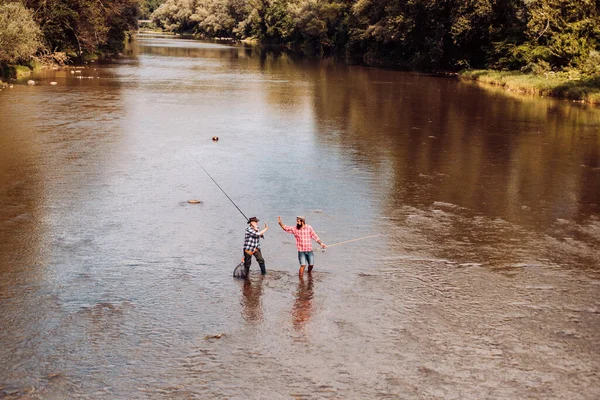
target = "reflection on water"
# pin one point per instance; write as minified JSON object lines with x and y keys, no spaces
{"x":303,"y":303}
{"x":522,"y":159}
{"x":435,"y":144}
{"x":482,"y":280}
{"x":251,"y":300}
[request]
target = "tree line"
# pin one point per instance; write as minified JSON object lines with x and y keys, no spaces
{"x":537,"y":36}
{"x":60,"y":30}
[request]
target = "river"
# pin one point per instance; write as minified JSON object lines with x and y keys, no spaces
{"x":477,"y":272}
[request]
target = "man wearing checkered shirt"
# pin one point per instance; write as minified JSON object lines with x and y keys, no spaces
{"x":252,"y":245}
{"x":304,"y":235}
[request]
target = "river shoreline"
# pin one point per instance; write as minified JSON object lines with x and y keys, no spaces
{"x":582,"y":89}
{"x":574,"y":87}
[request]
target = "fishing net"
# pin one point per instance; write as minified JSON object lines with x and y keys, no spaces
{"x":240,"y":271}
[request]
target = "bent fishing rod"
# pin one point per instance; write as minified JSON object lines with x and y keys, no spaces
{"x":198,"y":162}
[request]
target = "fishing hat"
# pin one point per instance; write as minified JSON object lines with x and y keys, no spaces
{"x":253,"y":219}
{"x":301,"y":219}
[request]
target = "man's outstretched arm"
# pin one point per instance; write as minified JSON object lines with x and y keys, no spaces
{"x":285,"y":228}
{"x":314,"y":236}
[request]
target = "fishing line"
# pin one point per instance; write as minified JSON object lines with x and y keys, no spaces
{"x":351,"y":240}
{"x":218,"y":185}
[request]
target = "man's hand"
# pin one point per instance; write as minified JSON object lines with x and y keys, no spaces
{"x":279,"y":220}
{"x":261,"y":233}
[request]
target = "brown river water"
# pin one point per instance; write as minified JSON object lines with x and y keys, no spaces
{"x":483,"y":280}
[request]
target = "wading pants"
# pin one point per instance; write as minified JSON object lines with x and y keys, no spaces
{"x":259,"y":258}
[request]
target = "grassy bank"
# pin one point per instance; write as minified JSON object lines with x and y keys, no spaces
{"x":8,"y":72}
{"x":561,"y":85}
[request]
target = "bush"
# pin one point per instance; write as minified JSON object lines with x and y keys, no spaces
{"x":591,"y":65}
{"x":540,"y":67}
{"x":20,"y":36}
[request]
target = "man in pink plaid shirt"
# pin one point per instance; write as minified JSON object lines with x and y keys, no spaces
{"x":304,"y":235}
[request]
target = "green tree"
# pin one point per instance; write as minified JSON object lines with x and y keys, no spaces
{"x":176,"y":15}
{"x":20,"y":36}
{"x":269,"y":21}
{"x":147,"y":7}
{"x":213,"y":18}
{"x":121,"y":18}
{"x":563,"y":32}
{"x":319,"y":24}
{"x":400,"y":32}
{"x":84,"y":26}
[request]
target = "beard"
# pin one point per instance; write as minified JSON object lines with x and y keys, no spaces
{"x":299,"y":226}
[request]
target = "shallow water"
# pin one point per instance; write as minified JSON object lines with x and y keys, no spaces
{"x":482,"y":283}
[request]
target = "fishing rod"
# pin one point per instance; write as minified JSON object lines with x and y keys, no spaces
{"x":218,"y":186}
{"x":351,"y":240}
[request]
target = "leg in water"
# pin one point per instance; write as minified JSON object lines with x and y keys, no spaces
{"x":261,"y":261}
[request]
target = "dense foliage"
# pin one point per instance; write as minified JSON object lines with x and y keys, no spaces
{"x":536,"y":36}
{"x":63,"y":28}
{"x":147,"y":7}
{"x":20,"y":36}
{"x":532,"y":35}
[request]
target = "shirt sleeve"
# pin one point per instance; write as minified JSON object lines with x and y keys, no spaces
{"x":313,"y":235}
{"x":252,"y":232}
{"x":288,"y":229}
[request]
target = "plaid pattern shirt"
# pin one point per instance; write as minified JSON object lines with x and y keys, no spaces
{"x":252,"y":239}
{"x":303,"y":236}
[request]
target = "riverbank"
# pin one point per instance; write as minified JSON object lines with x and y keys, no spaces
{"x":11,"y":72}
{"x":560,"y":85}
{"x":566,"y":85}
